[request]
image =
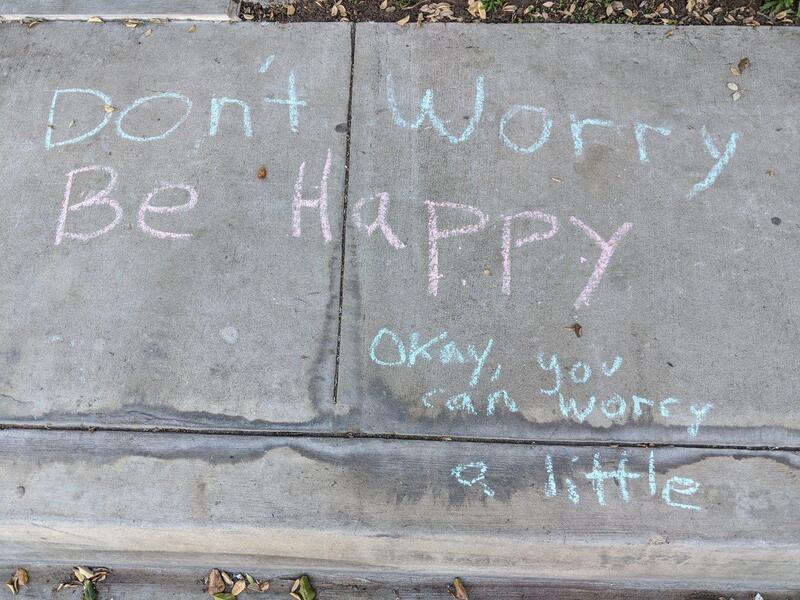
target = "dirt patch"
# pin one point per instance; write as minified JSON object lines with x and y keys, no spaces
{"x":650,"y":12}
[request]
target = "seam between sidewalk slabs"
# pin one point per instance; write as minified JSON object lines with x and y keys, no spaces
{"x":345,"y":198}
{"x":311,"y":435}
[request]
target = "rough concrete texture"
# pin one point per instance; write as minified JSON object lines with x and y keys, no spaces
{"x":209,"y":10}
{"x":182,"y":316}
{"x":698,"y":298}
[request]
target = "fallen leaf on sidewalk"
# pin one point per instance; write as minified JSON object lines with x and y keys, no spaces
{"x":215,"y":583}
{"x":20,"y":577}
{"x":238,"y":587}
{"x":576,"y":328}
{"x":94,"y":20}
{"x":262,"y":172}
{"x":458,"y":591}
{"x":89,"y":590}
{"x":302,"y":589}
{"x":743,"y":64}
{"x":192,"y":29}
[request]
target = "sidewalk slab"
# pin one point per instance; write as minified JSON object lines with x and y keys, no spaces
{"x":128,"y":301}
{"x":269,"y":502}
{"x":202,"y":10}
{"x":600,"y":181}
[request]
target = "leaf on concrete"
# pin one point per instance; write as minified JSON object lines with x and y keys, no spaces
{"x":215,"y":583}
{"x":192,"y":29}
{"x":238,"y":587}
{"x":736,"y":95}
{"x":576,"y":329}
{"x":458,"y":591}
{"x":224,"y":596}
{"x":226,"y":577}
{"x":94,"y":20}
{"x":732,"y":86}
{"x":743,"y":64}
{"x":302,"y":587}
{"x":21,"y":576}
{"x":11,"y":584}
{"x":89,"y":590}
{"x":735,"y":71}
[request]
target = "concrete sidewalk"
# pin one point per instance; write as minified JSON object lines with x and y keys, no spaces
{"x":526,"y":314}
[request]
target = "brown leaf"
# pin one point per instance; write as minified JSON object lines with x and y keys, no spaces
{"x":11,"y":584}
{"x":215,"y":582}
{"x":192,"y":29}
{"x":263,"y":586}
{"x":577,"y":328}
{"x":735,"y":71}
{"x":404,"y":20}
{"x":743,"y":64}
{"x":290,"y":10}
{"x":262,"y":172}
{"x":226,"y":577}
{"x":21,"y":576}
{"x":458,"y":591}
{"x":384,"y":4}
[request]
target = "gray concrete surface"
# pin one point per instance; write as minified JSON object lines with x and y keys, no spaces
{"x":699,"y":297}
{"x":204,"y":10}
{"x":276,"y":503}
{"x":234,"y":324}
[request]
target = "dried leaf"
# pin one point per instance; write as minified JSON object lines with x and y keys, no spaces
{"x":735,"y":71}
{"x":253,"y":587}
{"x":743,"y":64}
{"x":192,"y":29}
{"x":238,"y":587}
{"x":147,"y":33}
{"x":736,"y":95}
{"x":304,"y":588}
{"x":732,"y":86}
{"x":295,"y":596}
{"x":404,"y":20}
{"x":670,"y":33}
{"x":384,"y":4}
{"x":22,"y":576}
{"x":226,"y":577}
{"x":109,"y":109}
{"x":263,"y":586}
{"x":262,"y":172}
{"x":215,"y":583}
{"x":224,"y":596}
{"x":247,"y":575}
{"x":290,"y":10}
{"x":459,"y":592}
{"x":131,"y":24}
{"x":94,"y":20}
{"x":576,"y":328}
{"x":89,"y":590}
{"x":11,"y":584}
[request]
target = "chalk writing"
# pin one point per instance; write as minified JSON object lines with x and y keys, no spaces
{"x":625,"y":480}
{"x":321,"y":203}
{"x":614,"y":406}
{"x":426,"y":110}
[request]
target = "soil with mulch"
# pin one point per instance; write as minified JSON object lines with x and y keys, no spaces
{"x":750,"y":13}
